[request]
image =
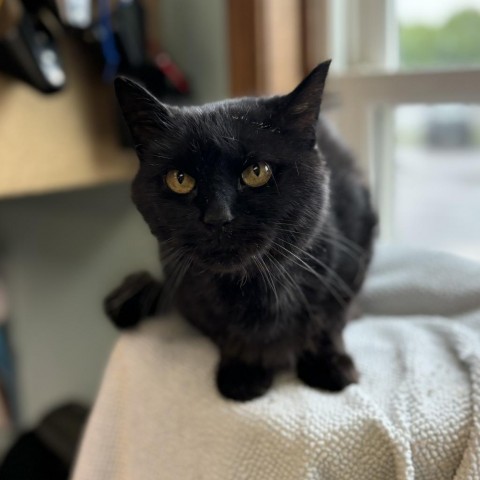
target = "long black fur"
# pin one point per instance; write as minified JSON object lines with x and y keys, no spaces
{"x":267,"y":273}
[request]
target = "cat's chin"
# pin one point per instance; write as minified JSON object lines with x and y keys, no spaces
{"x":223,"y":265}
{"x":225,"y":269}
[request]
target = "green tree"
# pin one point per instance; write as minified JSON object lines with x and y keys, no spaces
{"x":457,"y":42}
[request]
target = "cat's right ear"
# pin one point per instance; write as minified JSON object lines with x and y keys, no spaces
{"x":146,"y":117}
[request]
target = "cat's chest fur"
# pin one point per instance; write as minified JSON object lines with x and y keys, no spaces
{"x":241,"y":319}
{"x":223,"y":302}
{"x":281,"y":302}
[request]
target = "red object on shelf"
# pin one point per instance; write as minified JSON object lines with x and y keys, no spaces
{"x":165,"y":64}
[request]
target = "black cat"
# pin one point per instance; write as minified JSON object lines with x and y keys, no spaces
{"x":265,"y":231}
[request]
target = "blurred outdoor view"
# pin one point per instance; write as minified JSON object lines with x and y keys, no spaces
{"x":439,"y":34}
{"x":437,"y":153}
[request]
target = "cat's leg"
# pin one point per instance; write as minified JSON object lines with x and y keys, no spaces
{"x":241,"y":381}
{"x":327,"y":366}
{"x":136,"y":298}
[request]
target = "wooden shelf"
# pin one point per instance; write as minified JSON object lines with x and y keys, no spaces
{"x":60,"y":141}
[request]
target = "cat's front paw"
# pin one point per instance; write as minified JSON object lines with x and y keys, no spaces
{"x":133,"y":300}
{"x":242,"y":382}
{"x":332,"y":373}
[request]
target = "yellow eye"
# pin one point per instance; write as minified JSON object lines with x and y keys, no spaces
{"x":257,"y":174}
{"x":179,"y":182}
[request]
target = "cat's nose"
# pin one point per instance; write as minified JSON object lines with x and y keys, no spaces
{"x":218,"y":214}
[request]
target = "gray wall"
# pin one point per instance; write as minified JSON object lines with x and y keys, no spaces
{"x":62,"y":253}
{"x":194,"y":34}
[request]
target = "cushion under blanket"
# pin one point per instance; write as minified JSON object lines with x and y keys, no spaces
{"x":415,"y":413}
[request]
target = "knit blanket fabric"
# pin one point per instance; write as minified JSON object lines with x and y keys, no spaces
{"x":415,"y":414}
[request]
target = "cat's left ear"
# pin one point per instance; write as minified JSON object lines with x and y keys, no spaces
{"x":147,"y":118}
{"x":302,"y":106}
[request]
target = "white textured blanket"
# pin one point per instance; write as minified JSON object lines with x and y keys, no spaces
{"x":414,"y":415}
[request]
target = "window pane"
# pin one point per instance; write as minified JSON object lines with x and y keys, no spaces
{"x":437,"y":177}
{"x":436,"y":33}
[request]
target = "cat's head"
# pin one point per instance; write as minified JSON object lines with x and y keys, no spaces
{"x":226,"y":183}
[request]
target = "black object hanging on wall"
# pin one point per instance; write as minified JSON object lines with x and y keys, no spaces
{"x":28,"y":49}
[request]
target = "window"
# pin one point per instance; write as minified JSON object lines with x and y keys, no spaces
{"x":408,"y":77}
{"x":437,"y":177}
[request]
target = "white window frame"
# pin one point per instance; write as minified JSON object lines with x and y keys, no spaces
{"x":361,"y":38}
